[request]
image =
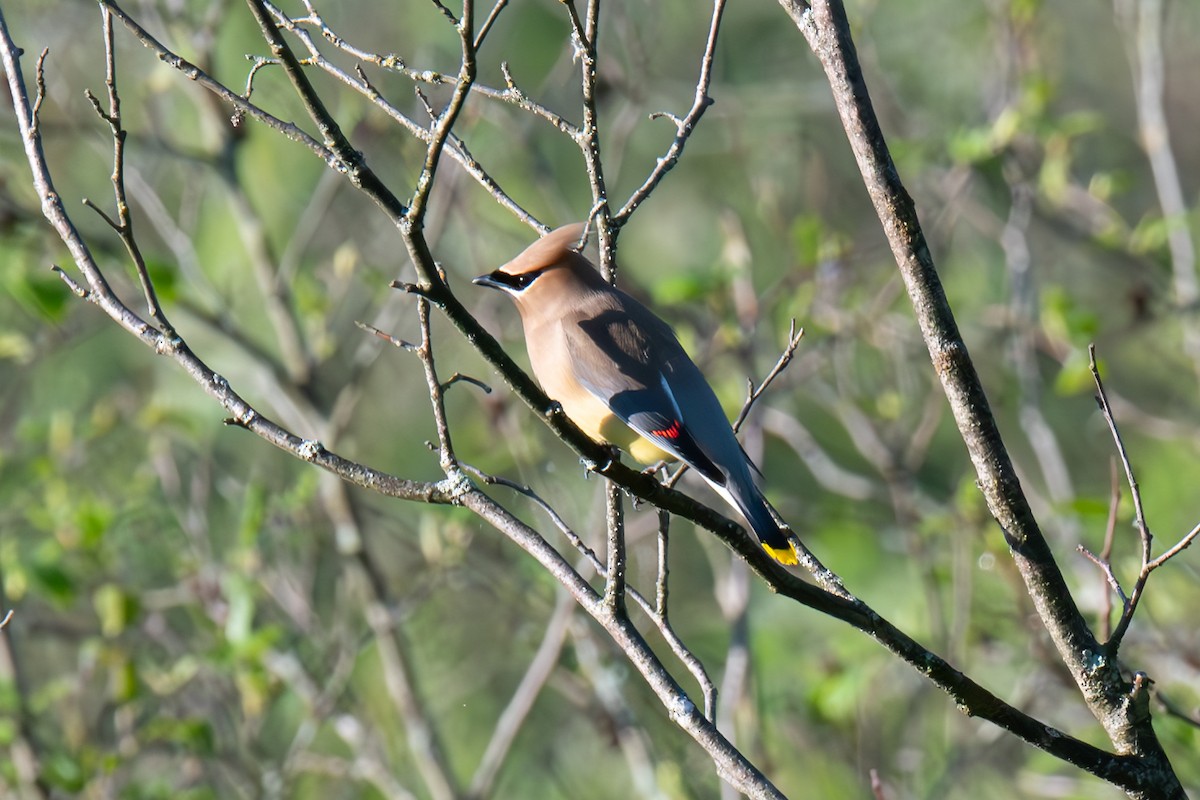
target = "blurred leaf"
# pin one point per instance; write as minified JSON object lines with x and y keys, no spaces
{"x":239,"y":619}
{"x":1055,"y":175}
{"x":1075,"y":375}
{"x":1089,"y":507}
{"x":8,"y":731}
{"x":808,"y":232}
{"x":1150,"y":236}
{"x":1024,"y":12}
{"x":52,"y":579}
{"x":971,"y":145}
{"x":114,"y":608}
{"x":15,"y":346}
{"x":42,"y":293}
{"x":1078,"y":123}
{"x":1065,"y":320}
{"x":165,"y":278}
{"x":254,"y":690}
{"x":684,"y":288}
{"x":889,"y":405}
{"x":93,"y":519}
{"x":194,"y":734}
{"x":123,"y":683}
{"x":64,"y":772}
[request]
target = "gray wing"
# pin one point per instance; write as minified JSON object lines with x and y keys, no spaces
{"x":631,"y":361}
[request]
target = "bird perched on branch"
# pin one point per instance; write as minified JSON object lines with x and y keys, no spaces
{"x":621,"y":375}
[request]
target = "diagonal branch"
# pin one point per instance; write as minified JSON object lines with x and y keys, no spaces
{"x":1121,"y":707}
{"x":684,"y":126}
{"x":241,"y":105}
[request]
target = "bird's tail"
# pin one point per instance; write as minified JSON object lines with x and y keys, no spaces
{"x":748,"y":499}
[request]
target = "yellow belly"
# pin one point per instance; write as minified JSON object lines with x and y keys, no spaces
{"x":614,"y":431}
{"x":585,"y":409}
{"x":595,"y":419}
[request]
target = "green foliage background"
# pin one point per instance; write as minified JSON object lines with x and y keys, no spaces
{"x":188,"y":622}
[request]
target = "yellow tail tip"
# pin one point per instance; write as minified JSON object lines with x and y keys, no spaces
{"x":786,"y":557}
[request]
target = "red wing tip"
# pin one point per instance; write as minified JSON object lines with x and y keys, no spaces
{"x":787,"y":557}
{"x":670,"y":433}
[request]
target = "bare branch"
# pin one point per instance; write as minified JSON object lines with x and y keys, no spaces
{"x":486,"y":27}
{"x":541,"y":667}
{"x":583,"y":37}
{"x":240,"y":104}
{"x":1183,"y":544}
{"x":455,"y":146}
{"x":656,"y":611}
{"x":1130,"y":606}
{"x":444,"y":122}
{"x":785,"y":358}
{"x":1107,"y":692}
{"x":1144,"y":20}
{"x":684,"y":126}
{"x":614,"y":522}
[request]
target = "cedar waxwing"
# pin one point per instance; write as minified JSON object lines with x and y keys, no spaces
{"x":608,"y":360}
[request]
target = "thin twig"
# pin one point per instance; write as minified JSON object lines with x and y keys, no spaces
{"x":387,"y":337}
{"x":584,"y":34}
{"x":684,"y":126}
{"x":239,"y":103}
{"x":446,"y":457}
{"x":458,"y":377}
{"x":1113,"y":644}
{"x":789,"y":352}
{"x":455,"y":147}
{"x":508,"y":725}
{"x":444,"y":122}
{"x":662,"y":592}
{"x":1110,"y":531}
{"x":486,"y":27}
{"x":1184,"y":543}
{"x":1106,"y":567}
{"x":588,"y":553}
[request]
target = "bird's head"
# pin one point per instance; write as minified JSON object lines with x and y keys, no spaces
{"x":544,"y":270}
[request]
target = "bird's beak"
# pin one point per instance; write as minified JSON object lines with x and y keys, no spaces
{"x":489,"y":281}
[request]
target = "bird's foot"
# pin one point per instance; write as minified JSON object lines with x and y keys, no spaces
{"x":653,"y":469}
{"x":590,"y":466}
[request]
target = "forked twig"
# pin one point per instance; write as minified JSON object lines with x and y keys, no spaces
{"x":684,"y":126}
{"x":1129,"y":605}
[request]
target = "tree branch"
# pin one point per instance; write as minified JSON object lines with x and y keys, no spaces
{"x":1118,"y":704}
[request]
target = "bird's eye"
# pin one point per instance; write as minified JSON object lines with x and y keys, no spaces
{"x":517,"y":282}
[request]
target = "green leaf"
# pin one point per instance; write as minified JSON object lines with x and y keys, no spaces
{"x":196,"y":735}
{"x":114,"y":608}
{"x":1075,"y":376}
{"x":64,"y":772}
{"x":164,"y":276}
{"x":54,"y":581}
{"x":43,"y":294}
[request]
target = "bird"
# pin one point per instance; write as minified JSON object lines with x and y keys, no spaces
{"x":621,"y":375}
